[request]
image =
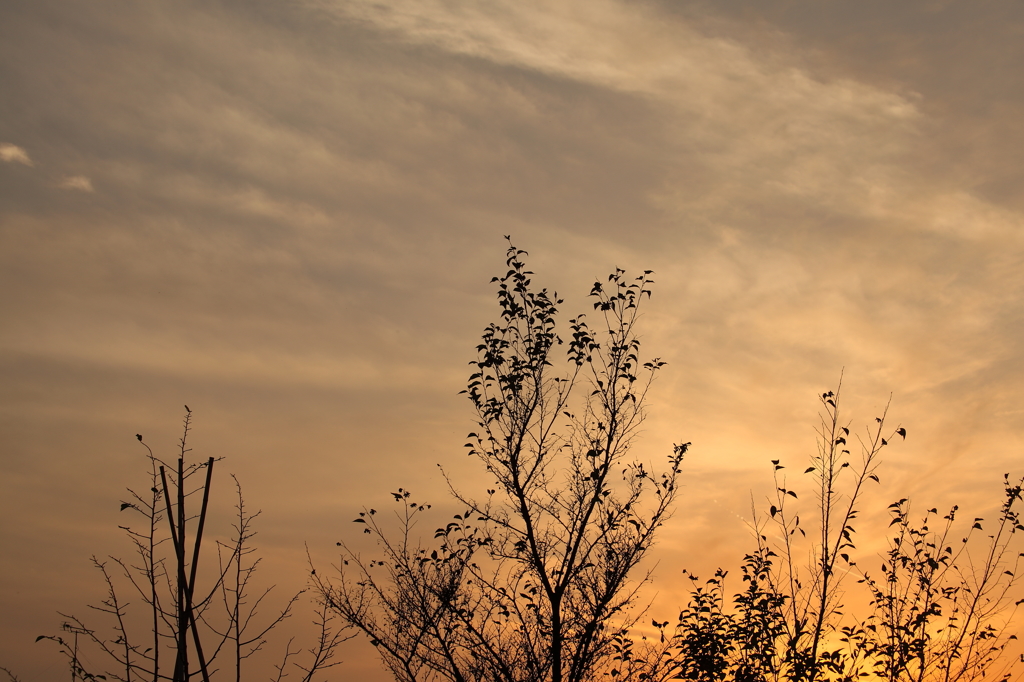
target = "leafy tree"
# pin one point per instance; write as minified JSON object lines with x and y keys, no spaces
{"x":786,"y":624}
{"x":941,"y":610}
{"x":813,"y":591}
{"x":536,"y":579}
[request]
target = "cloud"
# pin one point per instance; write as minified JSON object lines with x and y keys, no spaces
{"x":79,"y":182}
{"x":299,"y":216}
{"x":731,"y":129}
{"x":11,"y":153}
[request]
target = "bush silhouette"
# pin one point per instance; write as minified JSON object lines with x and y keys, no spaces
{"x":940,"y":609}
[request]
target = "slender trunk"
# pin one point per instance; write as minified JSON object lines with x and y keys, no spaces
{"x":556,"y":642}
{"x":154,"y":597}
{"x":236,"y":613}
{"x":182,"y":665}
{"x":195,"y":566}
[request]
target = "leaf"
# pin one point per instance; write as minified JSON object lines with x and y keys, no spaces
{"x":773,"y":511}
{"x":903,"y":432}
{"x":358,"y":520}
{"x":873,"y":478}
{"x":809,"y":470}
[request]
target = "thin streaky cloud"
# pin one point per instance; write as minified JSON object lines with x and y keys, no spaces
{"x":739,"y":111}
{"x":626,"y":48}
{"x":12,"y":153}
{"x":297,"y":208}
{"x":77,"y":182}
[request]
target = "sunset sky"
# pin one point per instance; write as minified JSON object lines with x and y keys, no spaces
{"x":285,"y":214}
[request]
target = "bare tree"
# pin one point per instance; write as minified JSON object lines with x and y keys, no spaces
{"x":177,"y":633}
{"x":239,"y":632}
{"x":535,"y":581}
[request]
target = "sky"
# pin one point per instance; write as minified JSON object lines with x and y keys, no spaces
{"x":285,"y":214}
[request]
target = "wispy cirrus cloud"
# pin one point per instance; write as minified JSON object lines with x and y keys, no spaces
{"x":77,"y":182}
{"x":294,"y":220}
{"x":731,"y":101}
{"x":12,"y":153}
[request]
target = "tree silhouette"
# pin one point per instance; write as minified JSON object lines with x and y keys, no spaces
{"x":534,"y":581}
{"x":941,"y":611}
{"x":181,"y":632}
